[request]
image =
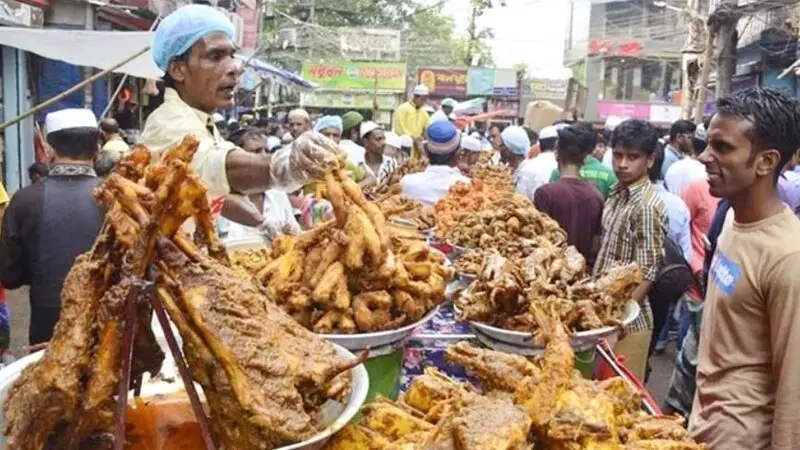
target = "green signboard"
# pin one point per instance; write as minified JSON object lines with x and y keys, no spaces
{"x":343,"y":75}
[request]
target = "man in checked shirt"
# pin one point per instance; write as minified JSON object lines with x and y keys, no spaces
{"x":634,"y":224}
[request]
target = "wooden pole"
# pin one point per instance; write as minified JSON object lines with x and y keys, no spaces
{"x":702,"y":80}
{"x":71,"y":90}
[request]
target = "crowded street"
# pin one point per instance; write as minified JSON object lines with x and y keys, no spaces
{"x":400,"y":225}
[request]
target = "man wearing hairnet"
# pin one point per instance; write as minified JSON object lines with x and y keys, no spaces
{"x":195,"y":49}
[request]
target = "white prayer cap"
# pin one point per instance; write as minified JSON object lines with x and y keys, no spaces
{"x":393,"y":140}
{"x":428,"y":109}
{"x":406,"y":141}
{"x":561,"y":126}
{"x":421,"y":90}
{"x":70,"y":118}
{"x":548,"y":132}
{"x":367,"y":127}
{"x":217,"y":118}
{"x":451,"y":116}
{"x":470,"y":143}
{"x":438,"y":116}
{"x":232,"y":121}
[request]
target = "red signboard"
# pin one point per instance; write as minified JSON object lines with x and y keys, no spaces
{"x":444,"y":82}
{"x":610,"y":48}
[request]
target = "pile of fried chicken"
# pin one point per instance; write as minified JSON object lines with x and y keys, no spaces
{"x":264,"y":377}
{"x":507,"y":291}
{"x":397,"y":207}
{"x":523,"y":405}
{"x":508,"y":225}
{"x":356,"y":274}
{"x":414,"y":164}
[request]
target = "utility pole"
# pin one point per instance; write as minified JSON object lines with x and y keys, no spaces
{"x":705,"y":72}
{"x":690,"y":57}
{"x":726,"y":17}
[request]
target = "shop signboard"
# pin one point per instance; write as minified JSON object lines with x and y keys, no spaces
{"x":443,"y":82}
{"x":480,"y":81}
{"x":606,"y":109}
{"x":549,"y":88}
{"x":349,"y":100}
{"x":357,"y":76}
{"x":16,"y":14}
{"x":505,"y":82}
{"x":787,"y":85}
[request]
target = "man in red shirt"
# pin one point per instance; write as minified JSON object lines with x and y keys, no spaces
{"x":575,"y":204}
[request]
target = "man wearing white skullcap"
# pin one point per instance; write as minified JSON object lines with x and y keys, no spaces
{"x":48,"y":224}
{"x":448,"y":105}
{"x":195,"y":48}
{"x":470,"y":152}
{"x":410,"y":118}
{"x":299,"y":122}
{"x":393,"y":147}
{"x":536,"y":172}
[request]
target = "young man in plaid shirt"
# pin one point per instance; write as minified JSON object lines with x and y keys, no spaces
{"x":634,"y":225}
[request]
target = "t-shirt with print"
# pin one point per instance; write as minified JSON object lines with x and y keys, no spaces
{"x":578,"y":207}
{"x":748,"y":370}
{"x":593,"y":171}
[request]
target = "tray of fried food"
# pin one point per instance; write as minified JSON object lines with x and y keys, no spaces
{"x":400,"y":210}
{"x":355,"y":275}
{"x":499,"y":303}
{"x":523,"y":403}
{"x":464,"y":199}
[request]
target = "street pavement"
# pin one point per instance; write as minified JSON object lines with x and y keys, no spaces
{"x":19,"y":308}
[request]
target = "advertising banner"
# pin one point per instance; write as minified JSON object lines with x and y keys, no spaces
{"x":549,"y":88}
{"x":343,"y":75}
{"x":480,"y":81}
{"x":347,"y":100}
{"x":444,"y":82}
{"x":505,"y":82}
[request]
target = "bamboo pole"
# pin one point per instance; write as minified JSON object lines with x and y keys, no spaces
{"x":71,"y":90}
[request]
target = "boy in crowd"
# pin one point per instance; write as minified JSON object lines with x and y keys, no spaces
{"x":574,"y":203}
{"x":634,"y":224}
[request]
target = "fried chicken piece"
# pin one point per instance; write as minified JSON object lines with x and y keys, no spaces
{"x":660,"y":427}
{"x":660,"y":444}
{"x":496,"y":370}
{"x":483,"y":423}
{"x":430,"y":389}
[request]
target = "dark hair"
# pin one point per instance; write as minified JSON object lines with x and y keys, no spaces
{"x":262,"y":122}
{"x":499,"y":125}
{"x":587,"y":134}
{"x":681,"y":127}
{"x":532,"y":135}
{"x":572,"y":142}
{"x":773,"y":118}
{"x":105,"y":161}
{"x":441,"y":159}
{"x":76,"y":143}
{"x":635,"y":134}
{"x":548,"y":144}
{"x":109,"y":125}
{"x":246,"y":134}
{"x":658,"y":163}
{"x":38,"y":169}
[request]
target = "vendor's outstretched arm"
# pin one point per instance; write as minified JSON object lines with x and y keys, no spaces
{"x":238,"y":209}
{"x":249,"y":173}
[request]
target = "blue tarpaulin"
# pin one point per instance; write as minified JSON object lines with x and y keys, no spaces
{"x":281,"y":75}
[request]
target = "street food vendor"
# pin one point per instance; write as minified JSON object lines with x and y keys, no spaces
{"x":441,"y":146}
{"x":195,"y":49}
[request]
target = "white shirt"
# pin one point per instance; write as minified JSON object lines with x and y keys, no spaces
{"x":277,"y":208}
{"x":355,"y":153}
{"x":535,"y":173}
{"x":608,"y":158}
{"x":429,"y":186}
{"x":682,"y":173}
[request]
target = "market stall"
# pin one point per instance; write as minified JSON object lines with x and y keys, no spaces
{"x":270,"y":347}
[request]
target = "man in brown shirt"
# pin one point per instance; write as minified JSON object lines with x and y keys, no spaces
{"x":575,"y":204}
{"x":748,"y":370}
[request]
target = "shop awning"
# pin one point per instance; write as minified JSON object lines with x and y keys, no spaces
{"x":104,"y":49}
{"x":98,"y":49}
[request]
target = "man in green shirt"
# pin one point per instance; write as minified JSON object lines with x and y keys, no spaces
{"x":592,"y":171}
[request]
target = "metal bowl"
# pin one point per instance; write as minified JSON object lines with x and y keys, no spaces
{"x":379,"y":339}
{"x":580,"y":339}
{"x":335,"y":415}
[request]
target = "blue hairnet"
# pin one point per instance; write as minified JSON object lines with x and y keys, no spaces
{"x":328,"y":122}
{"x":180,"y":30}
{"x":516,"y":139}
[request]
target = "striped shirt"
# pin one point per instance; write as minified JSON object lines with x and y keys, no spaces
{"x":634,"y":224}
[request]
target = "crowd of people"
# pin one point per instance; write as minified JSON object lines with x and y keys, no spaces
{"x":708,"y":212}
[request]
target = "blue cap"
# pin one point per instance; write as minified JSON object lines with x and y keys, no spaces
{"x":183,"y":28}
{"x":516,"y":139}
{"x":442,"y":138}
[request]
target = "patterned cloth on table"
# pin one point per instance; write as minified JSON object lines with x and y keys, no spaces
{"x":634,"y":223}
{"x":421,"y":352}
